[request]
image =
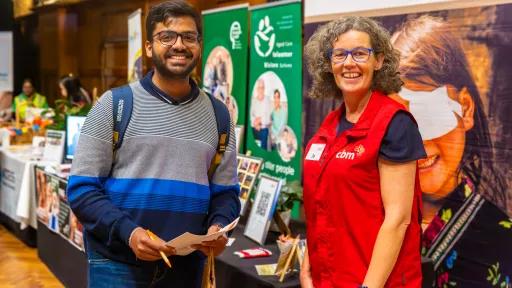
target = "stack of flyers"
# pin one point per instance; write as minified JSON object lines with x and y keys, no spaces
{"x":253,"y":253}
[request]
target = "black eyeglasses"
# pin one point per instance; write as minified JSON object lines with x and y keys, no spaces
{"x":169,"y":38}
{"x":340,"y":55}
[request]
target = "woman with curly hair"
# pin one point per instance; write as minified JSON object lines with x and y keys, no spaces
{"x":361,"y":187}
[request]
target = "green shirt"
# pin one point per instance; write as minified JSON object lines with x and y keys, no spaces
{"x":22,"y":102}
{"x":278,"y":120}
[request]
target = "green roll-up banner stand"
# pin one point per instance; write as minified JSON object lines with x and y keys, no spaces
{"x":275,"y":88}
{"x":225,"y":57}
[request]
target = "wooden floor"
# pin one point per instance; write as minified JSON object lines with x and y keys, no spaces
{"x":20,"y":267}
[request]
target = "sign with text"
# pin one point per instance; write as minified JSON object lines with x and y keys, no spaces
{"x":275,"y":88}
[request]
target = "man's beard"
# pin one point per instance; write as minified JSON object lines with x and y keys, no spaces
{"x":162,"y":69}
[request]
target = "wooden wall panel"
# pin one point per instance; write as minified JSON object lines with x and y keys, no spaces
{"x":104,"y":43}
{"x":49,"y":54}
{"x":90,"y":39}
{"x":89,"y":47}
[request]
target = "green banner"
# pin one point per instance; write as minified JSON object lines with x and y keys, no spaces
{"x":275,"y":88}
{"x":225,"y":56}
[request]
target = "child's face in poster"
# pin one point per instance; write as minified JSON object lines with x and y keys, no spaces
{"x":439,"y":172}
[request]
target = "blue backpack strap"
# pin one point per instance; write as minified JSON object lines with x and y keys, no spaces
{"x":122,"y":104}
{"x":223,"y":127}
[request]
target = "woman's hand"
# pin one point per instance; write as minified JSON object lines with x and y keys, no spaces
{"x":305,"y":272}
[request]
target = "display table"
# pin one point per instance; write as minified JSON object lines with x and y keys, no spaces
{"x":231,"y":270}
{"x":69,"y":264}
{"x":61,"y":252}
{"x":66,"y":261}
{"x":17,"y":196}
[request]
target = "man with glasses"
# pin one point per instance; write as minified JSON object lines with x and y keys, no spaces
{"x":157,"y":180}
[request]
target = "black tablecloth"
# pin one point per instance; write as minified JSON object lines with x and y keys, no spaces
{"x":232,"y":271}
{"x":65,"y":261}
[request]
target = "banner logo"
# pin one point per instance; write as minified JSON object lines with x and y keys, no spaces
{"x":265,"y":36}
{"x":234,"y":35}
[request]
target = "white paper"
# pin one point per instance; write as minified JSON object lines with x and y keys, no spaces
{"x":183,"y":243}
{"x":54,"y":148}
{"x":230,"y":242}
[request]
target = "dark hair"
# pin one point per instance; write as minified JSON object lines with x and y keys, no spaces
{"x":170,"y":9}
{"x":74,"y":89}
{"x":28,"y":80}
{"x":432,"y":55}
{"x":278,"y":92}
{"x":385,"y":79}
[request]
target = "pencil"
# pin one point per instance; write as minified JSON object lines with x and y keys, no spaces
{"x":166,"y":260}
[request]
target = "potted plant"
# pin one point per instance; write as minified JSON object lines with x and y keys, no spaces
{"x":63,"y":108}
{"x":291,"y":192}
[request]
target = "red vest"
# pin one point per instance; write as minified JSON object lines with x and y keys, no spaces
{"x":343,"y":204}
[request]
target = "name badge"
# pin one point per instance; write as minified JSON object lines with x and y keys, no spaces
{"x":315,"y":152}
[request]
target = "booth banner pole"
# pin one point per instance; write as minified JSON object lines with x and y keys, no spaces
{"x":135,"y":46}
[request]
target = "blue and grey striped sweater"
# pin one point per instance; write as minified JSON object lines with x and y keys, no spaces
{"x":158,"y":178}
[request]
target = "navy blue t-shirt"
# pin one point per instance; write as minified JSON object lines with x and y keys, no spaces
{"x":401,"y":143}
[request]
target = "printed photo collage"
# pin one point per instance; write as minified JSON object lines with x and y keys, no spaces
{"x":53,"y":208}
{"x":248,"y":169}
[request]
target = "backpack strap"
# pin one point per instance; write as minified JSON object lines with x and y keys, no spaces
{"x":223,"y":128}
{"x":122,"y":104}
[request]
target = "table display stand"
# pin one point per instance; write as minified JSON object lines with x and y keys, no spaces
{"x":65,"y":261}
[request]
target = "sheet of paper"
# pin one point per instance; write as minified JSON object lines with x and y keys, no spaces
{"x":266,"y":270}
{"x":183,"y":243}
{"x":230,"y":242}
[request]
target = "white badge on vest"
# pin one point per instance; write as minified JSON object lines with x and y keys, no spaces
{"x":315,"y":152}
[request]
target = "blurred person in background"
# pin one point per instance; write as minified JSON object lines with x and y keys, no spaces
{"x":28,"y":98}
{"x":72,"y":90}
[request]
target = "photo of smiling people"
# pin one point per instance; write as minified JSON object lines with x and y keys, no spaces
{"x":248,"y":170}
{"x":218,"y":79}
{"x":269,"y":110}
{"x":287,"y":144}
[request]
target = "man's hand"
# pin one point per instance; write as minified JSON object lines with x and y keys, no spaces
{"x":147,"y":249}
{"x":256,"y":123}
{"x":217,"y":245}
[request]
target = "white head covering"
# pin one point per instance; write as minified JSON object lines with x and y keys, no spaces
{"x":434,"y":111}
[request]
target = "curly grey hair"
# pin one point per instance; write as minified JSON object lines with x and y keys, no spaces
{"x":386,"y":79}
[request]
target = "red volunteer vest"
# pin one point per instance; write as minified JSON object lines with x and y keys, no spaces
{"x":343,"y":204}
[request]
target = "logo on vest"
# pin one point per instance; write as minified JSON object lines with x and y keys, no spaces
{"x":358,"y":151}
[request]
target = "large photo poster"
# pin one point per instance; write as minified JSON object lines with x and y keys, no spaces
{"x":225,"y":56}
{"x":275,"y":85}
{"x":53,"y":208}
{"x":456,"y":68}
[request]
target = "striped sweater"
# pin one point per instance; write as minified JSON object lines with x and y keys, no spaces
{"x":158,"y":178}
